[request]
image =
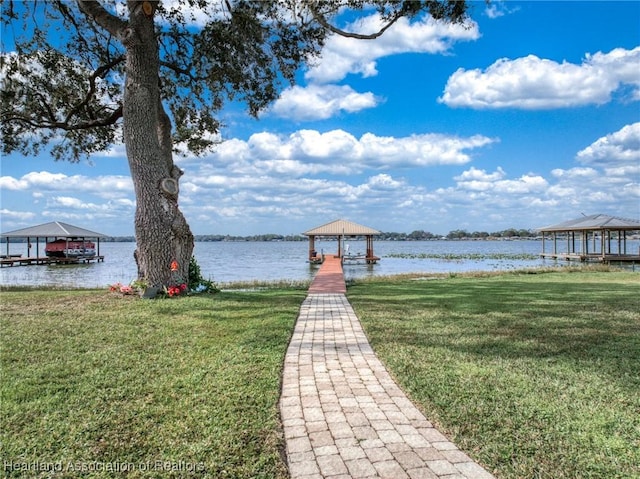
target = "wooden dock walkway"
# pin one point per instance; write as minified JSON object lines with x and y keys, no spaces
{"x":593,"y":257}
{"x":13,"y":260}
{"x":330,"y":278}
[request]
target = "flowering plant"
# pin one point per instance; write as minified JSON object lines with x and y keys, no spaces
{"x":175,"y":290}
{"x":121,"y":288}
{"x":177,"y":286}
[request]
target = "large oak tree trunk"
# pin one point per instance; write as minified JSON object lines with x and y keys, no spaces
{"x":162,"y":233}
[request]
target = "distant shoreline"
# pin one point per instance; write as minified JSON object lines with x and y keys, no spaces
{"x":279,"y":238}
{"x":276,"y":238}
{"x":457,"y":235}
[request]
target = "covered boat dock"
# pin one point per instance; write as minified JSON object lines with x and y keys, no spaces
{"x":598,"y":238}
{"x":342,"y":229}
{"x":55,"y":230}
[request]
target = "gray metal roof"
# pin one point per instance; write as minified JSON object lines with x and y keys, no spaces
{"x":341,"y":227}
{"x":55,"y":228}
{"x":595,"y":222}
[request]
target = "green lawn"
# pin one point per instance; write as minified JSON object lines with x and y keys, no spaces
{"x":98,"y":381}
{"x":535,"y":375}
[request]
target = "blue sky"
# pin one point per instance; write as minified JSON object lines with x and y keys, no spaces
{"x":529,"y":117}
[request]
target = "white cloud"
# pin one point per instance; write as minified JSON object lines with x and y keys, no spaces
{"x":534,"y":83}
{"x":107,"y":199}
{"x":319,"y":102}
{"x":12,"y":184}
{"x":342,"y":56}
{"x":476,"y":195}
{"x":197,"y":15}
{"x":628,"y":171}
{"x":102,"y":186}
{"x":583,"y":173}
{"x":497,"y":9}
{"x":273,"y":194}
{"x":474,"y":174}
{"x":306,"y":152}
{"x":481,"y":181}
{"x":69,"y":202}
{"x":595,"y":188}
{"x":331,"y":146}
{"x":6,"y":213}
{"x":246,"y":198}
{"x":621,"y":147}
{"x":385,"y":182}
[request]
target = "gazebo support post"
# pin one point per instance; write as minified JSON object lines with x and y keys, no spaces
{"x":312,"y":248}
{"x":574,"y":251}
{"x":370,"y":256}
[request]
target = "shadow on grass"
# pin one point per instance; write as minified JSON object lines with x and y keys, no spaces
{"x":95,"y":376}
{"x":534,"y":377}
{"x":512,"y":319}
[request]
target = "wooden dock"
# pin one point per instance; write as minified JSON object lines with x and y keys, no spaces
{"x":330,"y":278}
{"x":18,"y":260}
{"x":593,"y":258}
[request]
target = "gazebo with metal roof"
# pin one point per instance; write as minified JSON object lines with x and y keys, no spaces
{"x":55,"y":230}
{"x":592,"y":238}
{"x":341,"y":229}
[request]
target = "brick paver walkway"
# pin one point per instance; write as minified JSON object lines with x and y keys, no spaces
{"x":344,"y":417}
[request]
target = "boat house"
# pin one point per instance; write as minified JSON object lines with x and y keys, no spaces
{"x":591,"y":238}
{"x":342,"y":229}
{"x":65,"y":243}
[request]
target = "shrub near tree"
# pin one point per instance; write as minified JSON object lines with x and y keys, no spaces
{"x":87,"y":74}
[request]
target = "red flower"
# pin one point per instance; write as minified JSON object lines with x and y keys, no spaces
{"x":174,"y":266}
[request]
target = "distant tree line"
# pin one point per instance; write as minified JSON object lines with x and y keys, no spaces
{"x":216,"y":238}
{"x":418,"y":235}
{"x":508,"y":233}
{"x":421,"y":235}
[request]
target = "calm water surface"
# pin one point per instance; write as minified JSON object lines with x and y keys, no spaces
{"x":225,"y":262}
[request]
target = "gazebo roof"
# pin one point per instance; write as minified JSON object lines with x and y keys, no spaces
{"x":595,"y":222}
{"x":55,"y":228}
{"x":341,"y":227}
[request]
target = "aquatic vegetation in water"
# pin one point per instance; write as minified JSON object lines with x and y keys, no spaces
{"x":465,"y":256}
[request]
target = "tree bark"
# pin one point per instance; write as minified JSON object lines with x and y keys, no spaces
{"x":162,"y":233}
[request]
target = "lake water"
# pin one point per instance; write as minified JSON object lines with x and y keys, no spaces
{"x":225,"y":262}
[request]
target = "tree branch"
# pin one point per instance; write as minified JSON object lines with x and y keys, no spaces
{"x":359,"y":36}
{"x":177,"y":69}
{"x":96,"y":11}
{"x":92,"y":86}
{"x":62,"y":125}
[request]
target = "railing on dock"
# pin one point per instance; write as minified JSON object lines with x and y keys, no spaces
{"x":19,"y":260}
